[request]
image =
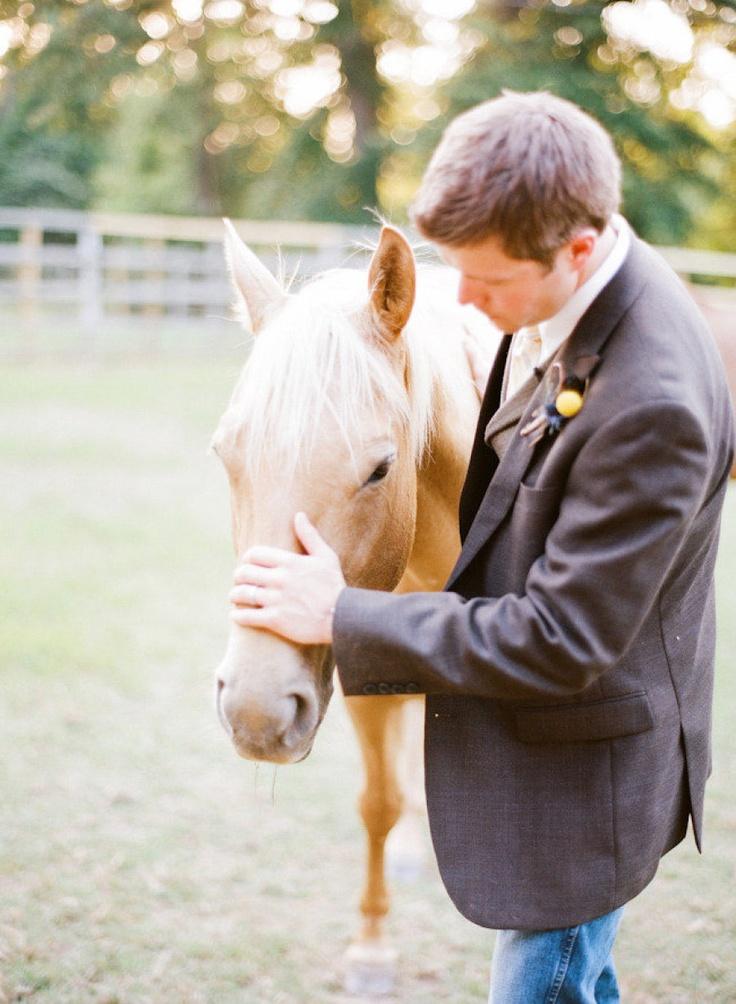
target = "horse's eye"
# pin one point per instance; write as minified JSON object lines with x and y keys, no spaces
{"x":381,"y":471}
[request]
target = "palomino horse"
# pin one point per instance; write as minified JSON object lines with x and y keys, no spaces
{"x":356,"y":406}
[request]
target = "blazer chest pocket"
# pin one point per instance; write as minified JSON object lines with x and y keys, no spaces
{"x":532,"y":499}
{"x":609,"y":718}
{"x":532,"y":516}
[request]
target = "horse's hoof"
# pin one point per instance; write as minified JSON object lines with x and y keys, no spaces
{"x":370,"y":969}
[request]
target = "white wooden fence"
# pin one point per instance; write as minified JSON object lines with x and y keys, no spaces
{"x":99,"y":265}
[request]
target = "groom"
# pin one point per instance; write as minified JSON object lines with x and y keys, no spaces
{"x":568,"y":665}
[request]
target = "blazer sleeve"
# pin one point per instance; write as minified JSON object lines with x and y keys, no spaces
{"x":630,"y":499}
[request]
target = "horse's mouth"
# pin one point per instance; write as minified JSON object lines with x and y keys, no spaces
{"x":276,"y":755}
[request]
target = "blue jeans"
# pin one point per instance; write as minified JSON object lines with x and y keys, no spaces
{"x":570,"y":965}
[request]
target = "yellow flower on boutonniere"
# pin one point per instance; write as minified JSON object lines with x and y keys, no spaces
{"x":567,"y":403}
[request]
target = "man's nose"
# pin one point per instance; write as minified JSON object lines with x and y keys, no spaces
{"x":469,"y":291}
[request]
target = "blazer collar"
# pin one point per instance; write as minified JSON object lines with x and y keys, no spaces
{"x":588,"y":339}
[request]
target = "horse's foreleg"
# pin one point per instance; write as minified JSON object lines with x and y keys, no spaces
{"x":378,"y":724}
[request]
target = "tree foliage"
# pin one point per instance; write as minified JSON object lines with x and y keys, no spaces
{"x":318,"y":109}
{"x":240,"y":68}
{"x":52,"y":118}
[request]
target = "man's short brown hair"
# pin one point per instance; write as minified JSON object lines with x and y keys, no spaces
{"x":529,"y":169}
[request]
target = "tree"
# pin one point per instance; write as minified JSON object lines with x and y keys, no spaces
{"x":52,"y":109}
{"x":288,"y":95}
{"x":320,"y":108}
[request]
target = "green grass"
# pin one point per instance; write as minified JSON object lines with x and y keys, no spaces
{"x":140,"y":861}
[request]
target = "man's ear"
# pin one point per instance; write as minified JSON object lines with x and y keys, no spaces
{"x":258,"y":292}
{"x":392,"y":282}
{"x":582,"y":246}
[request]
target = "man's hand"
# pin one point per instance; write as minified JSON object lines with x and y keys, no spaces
{"x":293,"y":595}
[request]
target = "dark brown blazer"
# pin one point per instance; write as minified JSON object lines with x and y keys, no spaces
{"x":568,"y":666}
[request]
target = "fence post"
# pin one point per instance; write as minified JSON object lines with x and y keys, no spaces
{"x":29,"y":272}
{"x":91,"y":308}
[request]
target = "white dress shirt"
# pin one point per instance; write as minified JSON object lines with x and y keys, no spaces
{"x":534,"y":345}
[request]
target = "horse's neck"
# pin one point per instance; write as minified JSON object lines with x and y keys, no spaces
{"x":439,"y":483}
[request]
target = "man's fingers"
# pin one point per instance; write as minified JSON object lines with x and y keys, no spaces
{"x":309,"y":536}
{"x":273,"y":557}
{"x":257,"y":575}
{"x":269,"y":557}
{"x":253,"y":596}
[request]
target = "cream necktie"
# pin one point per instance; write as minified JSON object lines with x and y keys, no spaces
{"x":526,"y":351}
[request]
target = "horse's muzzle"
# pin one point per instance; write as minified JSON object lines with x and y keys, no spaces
{"x":275,"y":727}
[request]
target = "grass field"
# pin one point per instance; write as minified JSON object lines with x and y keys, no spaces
{"x":140,"y":861}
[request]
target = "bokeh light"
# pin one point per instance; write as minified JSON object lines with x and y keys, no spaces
{"x":225,"y":11}
{"x":187,"y":10}
{"x":149,"y":53}
{"x":651,"y":26}
{"x":320,"y":11}
{"x":302,"y":89}
{"x":156,"y":25}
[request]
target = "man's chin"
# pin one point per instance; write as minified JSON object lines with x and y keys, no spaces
{"x":503,"y":323}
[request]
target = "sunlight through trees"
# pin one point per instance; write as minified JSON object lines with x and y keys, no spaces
{"x":315,"y":109}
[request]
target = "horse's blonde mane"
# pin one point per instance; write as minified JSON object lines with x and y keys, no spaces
{"x":319,"y":354}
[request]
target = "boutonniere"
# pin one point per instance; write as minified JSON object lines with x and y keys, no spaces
{"x":568,"y":400}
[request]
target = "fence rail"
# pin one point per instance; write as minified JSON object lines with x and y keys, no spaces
{"x":107,"y":264}
{"x":99,"y":265}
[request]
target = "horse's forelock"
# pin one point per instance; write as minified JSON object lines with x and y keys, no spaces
{"x":316,"y":356}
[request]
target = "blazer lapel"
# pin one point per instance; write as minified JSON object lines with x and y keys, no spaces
{"x":587,"y":339}
{"x":512,"y":409}
{"x":483,"y":460}
{"x":500,"y":430}
{"x":503,"y":486}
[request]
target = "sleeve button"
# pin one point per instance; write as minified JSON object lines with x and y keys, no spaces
{"x":370,"y":688}
{"x":384,"y":688}
{"x":412,"y":688}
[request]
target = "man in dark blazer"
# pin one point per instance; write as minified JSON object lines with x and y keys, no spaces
{"x":568,"y":665}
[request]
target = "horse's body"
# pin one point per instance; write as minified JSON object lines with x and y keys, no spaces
{"x":359,"y":410}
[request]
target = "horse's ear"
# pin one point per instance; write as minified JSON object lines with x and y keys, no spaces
{"x":257,"y":290}
{"x":392,"y":281}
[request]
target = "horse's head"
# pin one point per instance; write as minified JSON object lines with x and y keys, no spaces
{"x":324,"y":420}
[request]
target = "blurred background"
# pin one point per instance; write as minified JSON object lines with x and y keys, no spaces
{"x":308,"y":111}
{"x":139,"y":860}
{"x":313,"y":111}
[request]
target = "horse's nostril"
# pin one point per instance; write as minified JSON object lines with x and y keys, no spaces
{"x":304,"y":714}
{"x":301,"y":706}
{"x":220,"y":710}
